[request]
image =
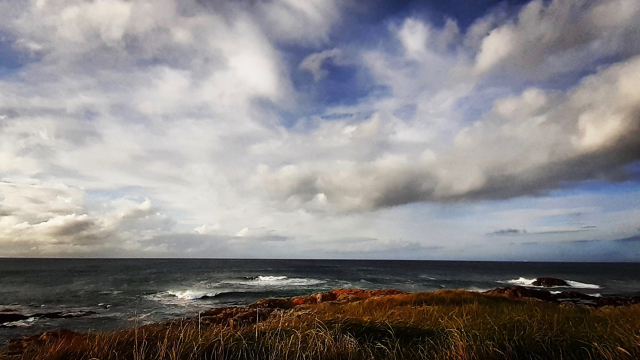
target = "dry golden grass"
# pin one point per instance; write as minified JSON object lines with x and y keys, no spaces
{"x":442,"y":325}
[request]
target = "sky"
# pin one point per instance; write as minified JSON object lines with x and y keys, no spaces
{"x":378,"y":129}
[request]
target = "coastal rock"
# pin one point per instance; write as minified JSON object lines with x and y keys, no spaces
{"x":522,"y":292}
{"x":564,"y":296}
{"x":324,"y":297}
{"x":273,"y":303}
{"x":616,"y":301}
{"x":342,"y":295}
{"x":358,"y":294}
{"x":549,"y":282}
{"x":242,"y":315}
{"x":11,"y":316}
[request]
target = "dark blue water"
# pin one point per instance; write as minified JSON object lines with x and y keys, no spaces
{"x":127,"y":292}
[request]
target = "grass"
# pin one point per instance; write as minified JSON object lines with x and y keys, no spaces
{"x":440,"y":325}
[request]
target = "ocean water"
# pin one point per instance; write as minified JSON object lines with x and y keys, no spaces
{"x":130,"y":292}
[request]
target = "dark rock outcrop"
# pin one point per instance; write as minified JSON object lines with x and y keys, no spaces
{"x":11,"y":316}
{"x":564,"y":296}
{"x":549,"y":282}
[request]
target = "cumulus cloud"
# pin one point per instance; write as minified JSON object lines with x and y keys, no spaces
{"x":560,"y":36}
{"x":42,"y":219}
{"x":191,"y":106}
{"x":526,"y":144}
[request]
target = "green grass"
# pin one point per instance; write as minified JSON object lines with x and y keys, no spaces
{"x":440,"y":325}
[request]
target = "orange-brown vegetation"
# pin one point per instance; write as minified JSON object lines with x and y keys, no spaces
{"x":357,"y":324}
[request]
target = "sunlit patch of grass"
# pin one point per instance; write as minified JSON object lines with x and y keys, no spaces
{"x":441,"y":325}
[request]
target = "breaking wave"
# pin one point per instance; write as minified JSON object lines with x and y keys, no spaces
{"x":20,"y":323}
{"x":192,"y":294}
{"x":277,"y":281}
{"x":529,"y":282}
{"x":250,"y":285}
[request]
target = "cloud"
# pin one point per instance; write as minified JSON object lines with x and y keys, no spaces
{"x":42,"y":219}
{"x":314,"y":62}
{"x":560,"y":36}
{"x":130,"y":122}
{"x":527,"y":144}
{"x":509,"y":232}
{"x":635,"y":238}
{"x":306,"y":21}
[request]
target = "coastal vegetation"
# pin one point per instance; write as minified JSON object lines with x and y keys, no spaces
{"x":356,"y":324}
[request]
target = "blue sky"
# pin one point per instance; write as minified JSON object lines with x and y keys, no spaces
{"x":488,"y":130}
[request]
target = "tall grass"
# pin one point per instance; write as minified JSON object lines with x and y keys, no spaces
{"x":454,"y":325}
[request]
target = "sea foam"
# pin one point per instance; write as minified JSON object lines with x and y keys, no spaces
{"x":275,"y":281}
{"x":191,"y":294}
{"x":529,"y":282}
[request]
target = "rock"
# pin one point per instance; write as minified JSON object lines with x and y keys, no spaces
{"x":273,"y":303}
{"x":522,"y":292}
{"x":6,"y":317}
{"x":324,"y":297}
{"x":241,"y":315}
{"x":343,"y":295}
{"x":565,"y":297}
{"x":549,"y":282}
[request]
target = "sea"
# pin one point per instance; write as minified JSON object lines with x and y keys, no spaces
{"x":124,"y":293}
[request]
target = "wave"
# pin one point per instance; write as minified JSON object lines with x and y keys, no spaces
{"x":192,"y":294}
{"x":181,"y":297}
{"x":579,"y":285}
{"x":519,"y":281}
{"x":529,"y":282}
{"x":278,"y":281}
{"x":271,"y":278}
{"x":20,"y":323}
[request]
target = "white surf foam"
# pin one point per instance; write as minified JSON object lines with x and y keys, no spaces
{"x":271,"y":278}
{"x":191,"y":294}
{"x":20,"y":323}
{"x":579,"y":285}
{"x":284,"y":281}
{"x":276,"y":281}
{"x":181,"y":297}
{"x":529,"y":282}
{"x":519,"y":281}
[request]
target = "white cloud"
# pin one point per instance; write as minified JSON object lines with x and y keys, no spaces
{"x":300,"y":20}
{"x":207,"y":229}
{"x":43,"y":219}
{"x":526,"y":144}
{"x":561,"y":36}
{"x":125,"y":104}
{"x":314,"y":62}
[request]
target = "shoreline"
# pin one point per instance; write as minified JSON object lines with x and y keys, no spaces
{"x":262,"y":315}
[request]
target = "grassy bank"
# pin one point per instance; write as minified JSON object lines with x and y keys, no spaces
{"x":440,"y":325}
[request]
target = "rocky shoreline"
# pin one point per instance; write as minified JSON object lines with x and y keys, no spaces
{"x":241,"y":316}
